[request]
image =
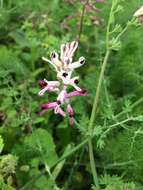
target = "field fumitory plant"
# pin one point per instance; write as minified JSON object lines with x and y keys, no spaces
{"x":64,"y":68}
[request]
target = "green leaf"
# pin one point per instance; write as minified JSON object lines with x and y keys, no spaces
{"x":19,"y":37}
{"x":115,"y":45}
{"x":10,"y":62}
{"x":116,"y":29}
{"x":98,"y":130}
{"x":119,"y":9}
{"x":41,"y":143}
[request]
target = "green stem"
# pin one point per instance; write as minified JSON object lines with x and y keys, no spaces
{"x":131,"y":107}
{"x":72,"y":151}
{"x":1,"y":3}
{"x":59,"y":166}
{"x":47,"y":169}
{"x":121,"y":33}
{"x":81,"y":21}
{"x":96,"y":99}
{"x":110,"y":127}
{"x":108,"y":26}
{"x":92,"y":118}
{"x":92,"y":164}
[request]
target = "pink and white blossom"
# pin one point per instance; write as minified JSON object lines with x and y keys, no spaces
{"x":51,"y":86}
{"x":64,"y":68}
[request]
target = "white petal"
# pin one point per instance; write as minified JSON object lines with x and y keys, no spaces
{"x":76,"y":87}
{"x":55,"y":89}
{"x":75,"y":78}
{"x":62,"y":96}
{"x":55,"y":60}
{"x":46,"y":81}
{"x":67,"y":50}
{"x":52,"y":83}
{"x":47,"y":60}
{"x":58,"y":110}
{"x":63,"y":47}
{"x":74,"y":84}
{"x":41,"y":93}
{"x":78,"y":63}
{"x":73,"y":48}
{"x":139,"y":12}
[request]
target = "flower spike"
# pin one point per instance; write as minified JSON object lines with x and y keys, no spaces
{"x":64,"y":68}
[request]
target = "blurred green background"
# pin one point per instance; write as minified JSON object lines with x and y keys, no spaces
{"x":32,"y":29}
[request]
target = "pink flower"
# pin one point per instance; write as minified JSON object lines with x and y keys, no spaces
{"x":64,"y":68}
{"x":50,"y":105}
{"x":62,"y":96}
{"x":76,"y":93}
{"x":71,"y":114}
{"x":65,"y":62}
{"x":53,"y":105}
{"x":51,"y":86}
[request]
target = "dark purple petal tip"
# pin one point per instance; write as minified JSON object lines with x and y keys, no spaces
{"x":42,"y":83}
{"x":84,"y":92}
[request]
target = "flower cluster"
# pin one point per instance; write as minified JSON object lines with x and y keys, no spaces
{"x":64,"y":67}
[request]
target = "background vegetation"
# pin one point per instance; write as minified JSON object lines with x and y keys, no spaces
{"x":44,"y":152}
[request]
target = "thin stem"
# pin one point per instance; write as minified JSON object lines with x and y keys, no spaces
{"x":81,"y":21}
{"x":110,"y":127}
{"x":121,"y":33}
{"x":108,"y":26}
{"x":92,"y":164}
{"x":59,"y":166}
{"x":1,"y":3}
{"x":51,"y":177}
{"x":131,"y":107}
{"x":96,"y":99}
{"x":76,"y":123}
{"x":92,"y":118}
{"x":119,"y":164}
{"x":72,"y":151}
